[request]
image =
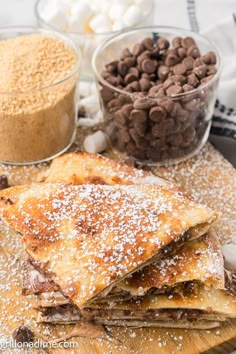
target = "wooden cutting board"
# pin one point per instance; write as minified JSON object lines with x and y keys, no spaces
{"x":211,"y":180}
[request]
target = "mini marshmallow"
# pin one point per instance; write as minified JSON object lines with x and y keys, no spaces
{"x":117,"y":11}
{"x":90,"y":104}
{"x":85,"y":88}
{"x":89,"y":122}
{"x":100,"y":23}
{"x":79,"y":13}
{"x":96,"y":142}
{"x":55,"y":13}
{"x":117,"y":26}
{"x":132,"y":16}
{"x":229,"y":252}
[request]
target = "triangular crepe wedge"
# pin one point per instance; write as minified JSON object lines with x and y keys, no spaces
{"x":182,"y":271}
{"x":86,"y":168}
{"x":200,"y":260}
{"x":89,"y":237}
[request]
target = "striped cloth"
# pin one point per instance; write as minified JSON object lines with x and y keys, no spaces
{"x":216,"y":19}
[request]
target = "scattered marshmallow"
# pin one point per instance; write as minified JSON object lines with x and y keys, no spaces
{"x":229,"y":252}
{"x":89,"y":104}
{"x":89,"y":122}
{"x":96,"y":142}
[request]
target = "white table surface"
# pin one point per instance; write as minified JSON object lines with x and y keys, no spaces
{"x":21,"y":12}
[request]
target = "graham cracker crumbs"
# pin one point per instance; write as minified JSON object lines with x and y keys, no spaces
{"x":37,"y":109}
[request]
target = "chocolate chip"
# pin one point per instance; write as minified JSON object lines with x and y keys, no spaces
{"x":209,"y":58}
{"x":169,"y":82}
{"x":23,"y":334}
{"x":198,"y":62}
{"x":211,"y":70}
{"x":158,"y":130}
{"x":105,"y":74}
{"x":148,"y":43}
{"x":174,"y":90}
{"x":139,"y":115}
{"x":120,"y":118}
{"x":3,"y":182}
{"x":174,"y":139}
{"x":206,"y":79}
{"x":171,"y":60}
{"x":144,"y":84}
{"x":200,"y":71}
{"x":149,"y":66}
{"x":131,"y":61}
{"x":188,"y":42}
{"x":134,"y":85}
{"x":177,"y":42}
{"x":154,"y":154}
{"x":130,"y":78}
{"x":193,"y":51}
{"x":142,"y":103}
{"x":112,"y":66}
{"x":138,"y":49}
{"x":154,"y":90}
{"x":113,"y":80}
{"x":187,"y":88}
{"x":163,"y":72}
{"x":188,"y":136}
{"x":157,"y":114}
{"x":188,"y":62}
{"x":126,"y":53}
{"x":179,"y":69}
{"x":167,"y":104}
{"x":163,"y":43}
{"x":140,"y":128}
{"x":181,"y":52}
{"x":106,"y":94}
{"x":192,"y":80}
{"x":178,"y":79}
{"x":130,"y":148}
{"x":122,"y":68}
{"x":134,"y":71}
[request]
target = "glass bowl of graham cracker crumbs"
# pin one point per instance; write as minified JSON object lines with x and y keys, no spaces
{"x":38,"y":94}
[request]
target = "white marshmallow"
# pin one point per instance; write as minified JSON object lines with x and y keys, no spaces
{"x":90,"y":122}
{"x":100,"y":23}
{"x":90,"y":104}
{"x":79,"y":14}
{"x":85,"y":88}
{"x":117,"y":11}
{"x":229,"y":252}
{"x":96,"y":142}
{"x":132,"y":16}
{"x":55,"y":13}
{"x":117,"y":26}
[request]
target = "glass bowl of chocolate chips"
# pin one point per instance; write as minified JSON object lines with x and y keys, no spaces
{"x":157,"y":88}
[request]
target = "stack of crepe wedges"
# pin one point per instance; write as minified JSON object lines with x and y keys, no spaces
{"x":117,"y":246}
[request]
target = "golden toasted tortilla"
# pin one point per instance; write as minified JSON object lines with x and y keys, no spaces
{"x":199,"y":260}
{"x":210,"y":300}
{"x":88,"y":237}
{"x":86,"y":168}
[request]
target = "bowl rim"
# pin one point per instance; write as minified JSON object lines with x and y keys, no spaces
{"x":155,"y":29}
{"x":41,"y":20}
{"x":27,"y":30}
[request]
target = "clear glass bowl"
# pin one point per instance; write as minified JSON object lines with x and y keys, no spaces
{"x":184,"y":125}
{"x":87,"y":42}
{"x":37,"y":124}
